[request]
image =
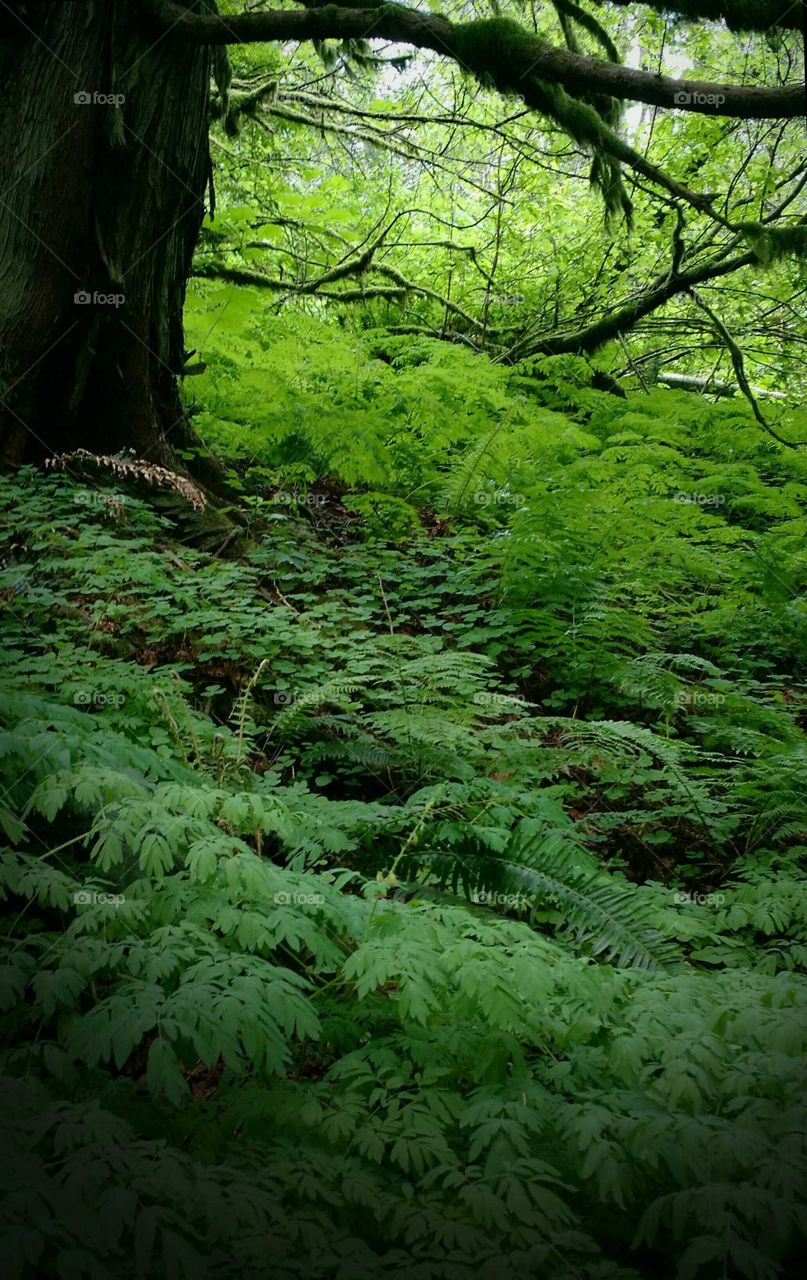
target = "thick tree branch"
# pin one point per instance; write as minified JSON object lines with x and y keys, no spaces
{"x":738,"y":15}
{"x":397,"y":293}
{"x":496,"y":50}
{"x":621,"y":321}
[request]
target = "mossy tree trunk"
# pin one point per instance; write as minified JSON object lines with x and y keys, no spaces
{"x":104,"y":168}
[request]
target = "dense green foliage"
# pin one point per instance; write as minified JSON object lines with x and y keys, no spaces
{"x":407,"y":879}
{"x":420,"y":893}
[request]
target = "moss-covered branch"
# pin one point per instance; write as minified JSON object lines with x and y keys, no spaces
{"x":477,"y":46}
{"x":397,"y":292}
{"x":584,"y":341}
{"x":738,"y":15}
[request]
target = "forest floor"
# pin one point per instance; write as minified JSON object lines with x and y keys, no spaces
{"x":418,"y":888}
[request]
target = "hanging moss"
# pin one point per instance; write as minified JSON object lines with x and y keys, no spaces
{"x":494,"y":49}
{"x":771,"y":244}
{"x":327,"y":52}
{"x":220,"y":66}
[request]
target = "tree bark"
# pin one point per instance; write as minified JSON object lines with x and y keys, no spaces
{"x":738,"y":15}
{"x":104,"y":166}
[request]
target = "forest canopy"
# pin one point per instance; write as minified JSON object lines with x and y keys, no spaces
{"x":482,"y":195}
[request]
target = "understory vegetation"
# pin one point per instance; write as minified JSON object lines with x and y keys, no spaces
{"x":403,"y":770}
{"x":420,"y":892}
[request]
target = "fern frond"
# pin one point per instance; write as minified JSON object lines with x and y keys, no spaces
{"x":616,"y":738}
{"x":606,"y":914}
{"x":332,"y":692}
{"x":460,"y":483}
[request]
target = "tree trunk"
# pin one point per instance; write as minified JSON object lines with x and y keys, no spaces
{"x":104,"y":166}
